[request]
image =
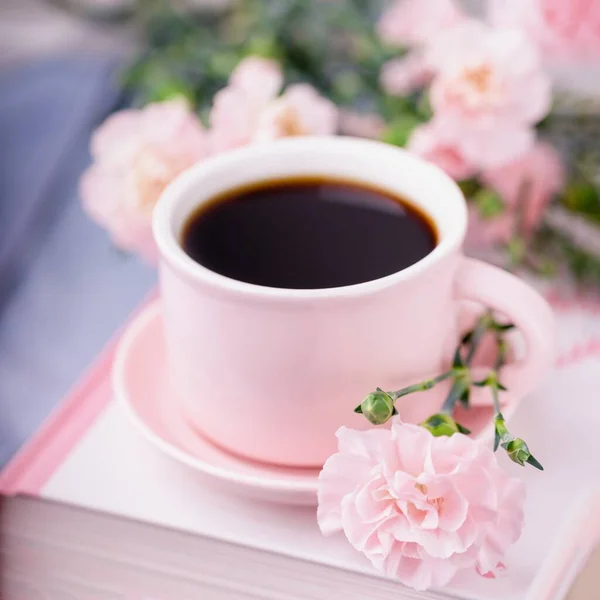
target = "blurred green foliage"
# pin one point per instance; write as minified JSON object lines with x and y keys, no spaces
{"x":329,"y":44}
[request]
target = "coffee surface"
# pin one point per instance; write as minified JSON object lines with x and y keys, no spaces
{"x":307,"y":234}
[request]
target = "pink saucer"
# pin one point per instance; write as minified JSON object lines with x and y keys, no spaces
{"x":141,"y":386}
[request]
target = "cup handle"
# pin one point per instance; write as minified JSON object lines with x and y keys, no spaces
{"x":497,"y":289}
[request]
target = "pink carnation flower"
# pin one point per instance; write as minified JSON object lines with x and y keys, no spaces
{"x":136,"y":154}
{"x":419,"y":507}
{"x":299,"y":111}
{"x":488,"y":91}
{"x":249,"y":108}
{"x":566,"y":30}
{"x":416,"y":22}
{"x":237,"y":107}
{"x":428,"y":141}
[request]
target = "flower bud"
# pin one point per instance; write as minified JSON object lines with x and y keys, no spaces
{"x":518,"y":452}
{"x":378,"y":407}
{"x":443,"y":424}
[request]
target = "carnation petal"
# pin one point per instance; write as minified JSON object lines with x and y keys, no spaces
{"x":341,"y":475}
{"x":453,"y":510}
{"x":535,"y":101}
{"x":363,"y":536}
{"x":412,"y":443}
{"x":492,"y":147}
{"x":368,"y":506}
{"x":370,"y":444}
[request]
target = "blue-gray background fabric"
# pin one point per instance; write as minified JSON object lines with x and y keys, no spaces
{"x":64,"y":290}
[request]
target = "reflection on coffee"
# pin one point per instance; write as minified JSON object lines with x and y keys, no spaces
{"x":307,"y":233}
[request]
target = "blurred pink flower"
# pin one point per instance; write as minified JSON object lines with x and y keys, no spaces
{"x":299,"y":111}
{"x":416,"y":22}
{"x":368,"y":125}
{"x":404,"y":75}
{"x":260,"y":78}
{"x":136,"y":154}
{"x":428,"y":141}
{"x":539,"y":174}
{"x":566,"y":30}
{"x":488,"y":91}
{"x":237,"y":107}
{"x":420,"y":507}
{"x":486,"y":233}
{"x":249,"y":108}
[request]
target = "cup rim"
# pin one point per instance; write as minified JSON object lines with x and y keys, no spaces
{"x":171,"y":252}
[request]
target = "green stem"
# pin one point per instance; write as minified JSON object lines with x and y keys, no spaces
{"x":422,"y":386}
{"x":443,"y":376}
{"x":456,"y":391}
{"x":496,"y":398}
{"x":481,"y":328}
{"x":502,"y":350}
{"x":493,"y":376}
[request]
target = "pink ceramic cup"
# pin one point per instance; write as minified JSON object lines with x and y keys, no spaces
{"x":272,"y":373}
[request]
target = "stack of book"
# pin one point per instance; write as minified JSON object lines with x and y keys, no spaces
{"x":91,"y":510}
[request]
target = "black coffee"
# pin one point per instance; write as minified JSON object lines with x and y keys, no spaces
{"x":307,"y":233}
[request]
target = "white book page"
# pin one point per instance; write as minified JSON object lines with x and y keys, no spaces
{"x":113,"y":469}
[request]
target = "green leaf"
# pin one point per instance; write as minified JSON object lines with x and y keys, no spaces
{"x":171,"y":90}
{"x":424,"y":109}
{"x":496,"y":440}
{"x":546,"y":268}
{"x":488,"y":202}
{"x":457,"y":361}
{"x":582,"y":197}
{"x":264,"y":46}
{"x":469,"y":187}
{"x":534,"y":462}
{"x":400,"y":129}
{"x":516,"y":250}
{"x":500,"y":430}
{"x":348,"y":86}
{"x":465,"y":396}
{"x":467,"y":337}
{"x":358,"y":409}
{"x":222,"y":63}
{"x":503,"y":326}
{"x":443,"y":424}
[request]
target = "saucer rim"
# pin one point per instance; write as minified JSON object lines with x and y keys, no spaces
{"x":308,"y":485}
{"x":126,"y":346}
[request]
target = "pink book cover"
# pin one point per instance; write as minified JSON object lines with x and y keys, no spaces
{"x":87,"y":454}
